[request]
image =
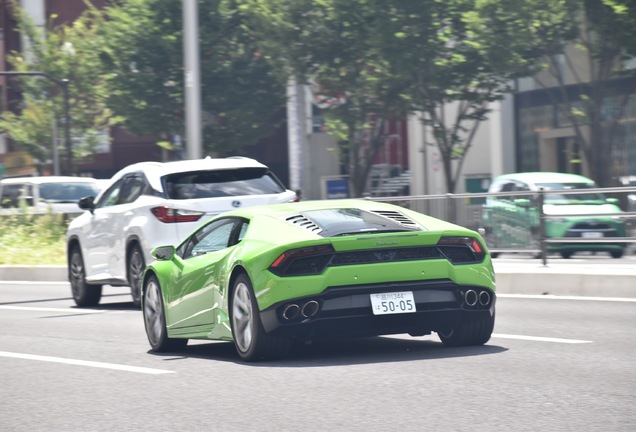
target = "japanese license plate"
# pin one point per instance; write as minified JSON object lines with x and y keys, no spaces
{"x":592,"y":234}
{"x":392,"y":303}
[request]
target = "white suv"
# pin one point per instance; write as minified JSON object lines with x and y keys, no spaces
{"x":149,"y":204}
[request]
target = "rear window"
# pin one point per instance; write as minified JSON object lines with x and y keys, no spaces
{"x":351,"y":221}
{"x":221,"y":183}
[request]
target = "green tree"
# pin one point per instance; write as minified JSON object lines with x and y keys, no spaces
{"x":451,"y":73}
{"x":588,"y":54}
{"x":142,"y":45}
{"x":334,"y":48}
{"x":392,"y":57}
{"x":63,"y":52}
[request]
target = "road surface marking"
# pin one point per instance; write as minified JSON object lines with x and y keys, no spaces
{"x":86,"y":363}
{"x":540,"y":339}
{"x":44,"y":309}
{"x":563,"y":297}
{"x":33,"y":283}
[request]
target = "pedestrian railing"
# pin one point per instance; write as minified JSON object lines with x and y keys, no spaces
{"x":471,"y":210}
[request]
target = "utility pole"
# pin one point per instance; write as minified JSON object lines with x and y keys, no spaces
{"x":63,"y":84}
{"x":192,"y":78}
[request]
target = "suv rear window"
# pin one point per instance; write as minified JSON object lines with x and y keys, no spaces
{"x":220,"y":183}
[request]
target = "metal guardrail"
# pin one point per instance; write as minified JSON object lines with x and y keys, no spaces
{"x":466,"y":209}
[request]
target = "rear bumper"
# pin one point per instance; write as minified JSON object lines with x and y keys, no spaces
{"x":585,"y":247}
{"x":346,"y":311}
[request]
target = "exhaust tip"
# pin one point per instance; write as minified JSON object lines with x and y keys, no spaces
{"x":471,"y":298}
{"x":310,"y":308}
{"x":291,"y":311}
{"x":484,"y":298}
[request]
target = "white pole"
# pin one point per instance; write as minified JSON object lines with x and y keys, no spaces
{"x":192,"y":79}
{"x":294,"y":134}
{"x":55,"y":152}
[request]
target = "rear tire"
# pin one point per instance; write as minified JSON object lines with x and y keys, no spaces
{"x":84,"y":294}
{"x":155,"y":319}
{"x":250,"y":339}
{"x":567,"y":254}
{"x":617,"y":253}
{"x":135,"y":268}
{"x":469,"y":334}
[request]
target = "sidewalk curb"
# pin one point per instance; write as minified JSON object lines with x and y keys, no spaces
{"x":539,"y":281}
{"x":48,"y":273}
{"x":567,"y":284}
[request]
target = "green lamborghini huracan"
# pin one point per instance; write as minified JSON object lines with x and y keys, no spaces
{"x":268,"y":275}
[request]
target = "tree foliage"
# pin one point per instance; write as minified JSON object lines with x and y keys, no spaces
{"x":143,"y":47}
{"x":446,"y":60}
{"x":331,"y":44}
{"x":601,"y":33}
{"x":451,"y":72}
{"x":392,"y":57}
{"x":65,"y":52}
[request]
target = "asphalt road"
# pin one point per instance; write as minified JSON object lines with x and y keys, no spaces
{"x":584,"y":274}
{"x":552,"y":364}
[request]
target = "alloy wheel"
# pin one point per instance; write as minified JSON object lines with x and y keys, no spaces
{"x":136,"y":269}
{"x":242,"y":316}
{"x":153,"y":313}
{"x":77,"y":273}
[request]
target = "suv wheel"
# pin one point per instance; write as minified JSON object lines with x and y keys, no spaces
{"x":84,"y":294}
{"x":136,"y":267}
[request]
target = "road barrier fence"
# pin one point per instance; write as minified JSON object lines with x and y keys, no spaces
{"x":521,"y":218}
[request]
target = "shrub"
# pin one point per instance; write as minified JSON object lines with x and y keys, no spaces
{"x":33,"y":239}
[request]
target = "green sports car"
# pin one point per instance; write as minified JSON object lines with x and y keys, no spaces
{"x":266,"y":276}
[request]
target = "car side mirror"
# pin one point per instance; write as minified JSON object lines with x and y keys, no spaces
{"x":163,"y":253}
{"x":87,"y":203}
{"x":614,"y":201}
{"x":522,"y":202}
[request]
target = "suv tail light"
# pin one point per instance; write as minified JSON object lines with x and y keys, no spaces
{"x":170,"y":215}
{"x":302,"y":261}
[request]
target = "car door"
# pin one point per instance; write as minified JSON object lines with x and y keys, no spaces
{"x":197,"y":291}
{"x":99,"y":234}
{"x":526,"y":215}
{"x":504,"y":219}
{"x":107,"y":234}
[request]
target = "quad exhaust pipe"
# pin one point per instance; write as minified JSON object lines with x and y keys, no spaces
{"x":472,"y":298}
{"x":291,"y":311}
{"x":484,"y":298}
{"x":307,"y":310}
{"x":310,"y":308}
